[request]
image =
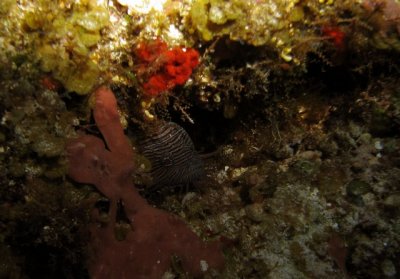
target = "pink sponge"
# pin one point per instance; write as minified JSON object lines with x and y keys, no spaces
{"x":155,"y":236}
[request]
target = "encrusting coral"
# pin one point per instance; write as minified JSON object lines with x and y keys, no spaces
{"x":155,"y":236}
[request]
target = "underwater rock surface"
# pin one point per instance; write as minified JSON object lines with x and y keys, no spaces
{"x":297,"y":104}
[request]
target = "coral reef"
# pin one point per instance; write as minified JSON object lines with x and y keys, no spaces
{"x":154,"y":236}
{"x":292,"y":106}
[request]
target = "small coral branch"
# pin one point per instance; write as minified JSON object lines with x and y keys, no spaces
{"x":155,"y":236}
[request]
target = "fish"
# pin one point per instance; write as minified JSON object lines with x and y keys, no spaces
{"x":173,"y":157}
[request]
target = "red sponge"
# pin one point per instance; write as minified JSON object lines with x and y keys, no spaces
{"x":167,"y":67}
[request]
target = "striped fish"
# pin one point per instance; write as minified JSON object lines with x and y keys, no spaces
{"x":174,"y":160}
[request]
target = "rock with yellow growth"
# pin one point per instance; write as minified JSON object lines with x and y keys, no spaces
{"x":67,"y":35}
{"x":327,"y":2}
{"x":249,"y":21}
{"x":279,"y":24}
{"x":5,"y":6}
{"x":214,"y":17}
